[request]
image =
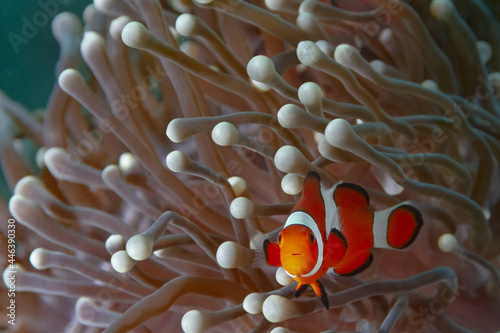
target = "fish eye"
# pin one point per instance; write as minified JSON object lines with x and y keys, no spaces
{"x":311,"y":238}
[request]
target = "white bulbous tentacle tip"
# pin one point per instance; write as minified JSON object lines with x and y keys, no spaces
{"x":66,"y":24}
{"x":90,"y":42}
{"x":115,"y":243}
{"x":177,"y":161}
{"x":103,"y":6}
{"x":310,"y":93}
{"x":191,"y":48}
{"x":116,"y":26}
{"x":344,"y":53}
{"x":174,"y":133}
{"x":133,"y":34}
{"x":186,"y":25}
{"x":225,"y":255}
{"x":129,"y":164}
{"x":121,"y":262}
{"x":204,"y":2}
{"x":261,"y":69}
{"x":241,"y":208}
{"x":39,"y":157}
{"x":494,"y":77}
{"x":288,"y":159}
{"x":111,"y":171}
{"x":85,"y":310}
{"x":487,"y":213}
{"x":386,"y":181}
{"x":305,"y":6}
{"x":292,"y":183}
{"x":53,"y":154}
{"x":286,"y":115}
{"x":69,"y":79}
{"x":25,"y":183}
{"x":484,"y":50}
{"x":430,"y":84}
{"x":277,"y":309}
{"x":448,"y":243}
{"x":441,"y":9}
{"x":9,"y":275}
{"x":275,"y":5}
{"x":18,"y":205}
{"x":339,"y":132}
{"x":139,"y":247}
{"x":181,"y":6}
{"x":253,"y":302}
{"x":195,"y":321}
{"x":225,"y":134}
{"x":363,"y":325}
{"x":326,"y":47}
{"x":39,"y":258}
{"x":309,"y":53}
{"x":238,"y":184}
{"x":89,"y":13}
{"x":282,"y":277}
{"x":305,"y":20}
{"x":385,"y":35}
{"x":84,"y":301}
{"x":231,"y":255}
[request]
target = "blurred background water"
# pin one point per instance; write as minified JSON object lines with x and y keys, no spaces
{"x":29,"y":52}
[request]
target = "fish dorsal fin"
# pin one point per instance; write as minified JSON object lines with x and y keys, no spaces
{"x":312,"y":202}
{"x":351,"y":196}
{"x":312,"y":185}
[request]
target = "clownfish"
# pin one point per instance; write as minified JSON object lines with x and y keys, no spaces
{"x":335,"y":228}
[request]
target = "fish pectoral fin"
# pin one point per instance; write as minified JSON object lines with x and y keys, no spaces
{"x":266,"y":252}
{"x":300,"y":289}
{"x":335,"y":248}
{"x":354,"y":264}
{"x":320,"y":291}
{"x":272,"y":252}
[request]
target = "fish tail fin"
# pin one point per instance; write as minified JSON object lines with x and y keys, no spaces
{"x":396,"y":227}
{"x":265,"y":251}
{"x":320,"y":291}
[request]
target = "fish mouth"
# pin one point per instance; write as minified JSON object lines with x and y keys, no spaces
{"x":295,"y":254}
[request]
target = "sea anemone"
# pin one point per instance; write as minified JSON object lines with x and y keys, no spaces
{"x":118,"y":227}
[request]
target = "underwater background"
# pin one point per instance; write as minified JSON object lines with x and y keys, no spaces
{"x":28,"y":56}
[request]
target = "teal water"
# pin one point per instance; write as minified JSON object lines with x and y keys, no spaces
{"x":28,"y":51}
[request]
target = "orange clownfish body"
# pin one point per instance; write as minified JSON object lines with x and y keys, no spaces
{"x":335,"y":228}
